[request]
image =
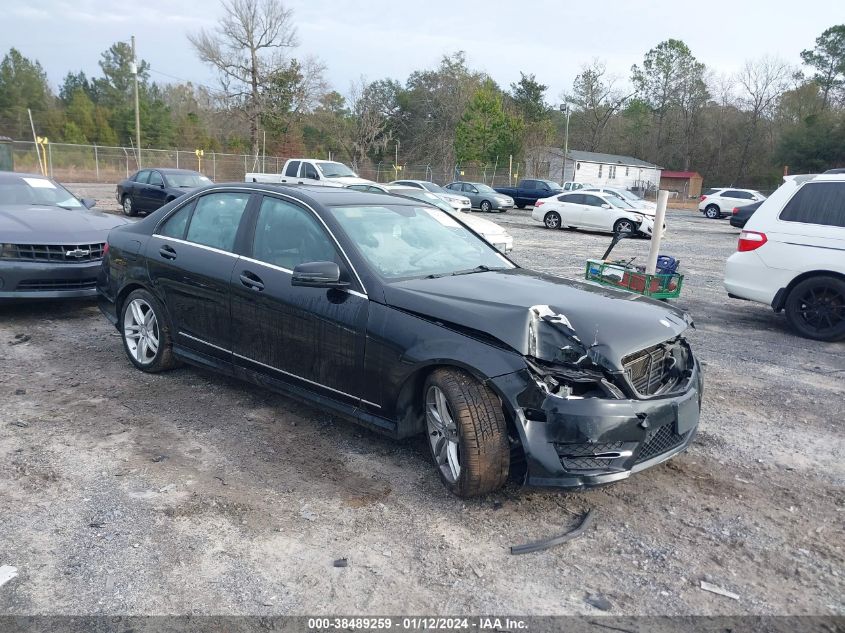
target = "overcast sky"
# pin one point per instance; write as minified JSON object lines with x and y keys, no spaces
{"x":377,"y":38}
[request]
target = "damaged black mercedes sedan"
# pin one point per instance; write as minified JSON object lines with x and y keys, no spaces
{"x":393,"y":313}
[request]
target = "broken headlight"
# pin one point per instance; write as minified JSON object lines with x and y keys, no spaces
{"x":564,"y":382}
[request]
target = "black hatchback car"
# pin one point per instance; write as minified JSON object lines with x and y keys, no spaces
{"x":393,"y":313}
{"x":148,"y":189}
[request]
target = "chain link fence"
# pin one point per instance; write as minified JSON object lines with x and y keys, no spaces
{"x":68,"y":162}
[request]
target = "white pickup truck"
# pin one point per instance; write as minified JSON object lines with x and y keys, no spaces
{"x":309,"y":171}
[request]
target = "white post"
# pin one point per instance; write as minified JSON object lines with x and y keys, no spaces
{"x":657,"y":231}
{"x":97,"y":162}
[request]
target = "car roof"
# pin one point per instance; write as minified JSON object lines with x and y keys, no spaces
{"x":326,"y":196}
{"x":9,"y":175}
{"x":169,"y":170}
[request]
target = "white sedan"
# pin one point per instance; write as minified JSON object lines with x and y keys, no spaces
{"x":592,"y":211}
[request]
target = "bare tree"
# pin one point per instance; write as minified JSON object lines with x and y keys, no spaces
{"x":762,"y":82}
{"x":246,"y":49}
{"x":596,"y":101}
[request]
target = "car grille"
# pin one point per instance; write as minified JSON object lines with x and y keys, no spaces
{"x":580,"y":456}
{"x":646,"y":369}
{"x":71,"y":254}
{"x":58,"y":284}
{"x":660,"y":441}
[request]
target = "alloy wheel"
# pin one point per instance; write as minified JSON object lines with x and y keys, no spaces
{"x":127,"y":205}
{"x":442,"y":433}
{"x":141,"y":331}
{"x":552,"y":220}
{"x":485,"y":207}
{"x":822,"y":308}
{"x":625,"y":226}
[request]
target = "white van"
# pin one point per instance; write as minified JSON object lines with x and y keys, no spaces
{"x":791,"y":255}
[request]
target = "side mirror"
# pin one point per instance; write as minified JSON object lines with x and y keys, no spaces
{"x":88,"y":203}
{"x":605,"y":206}
{"x":318,"y":275}
{"x":161,"y":186}
{"x":475,"y":190}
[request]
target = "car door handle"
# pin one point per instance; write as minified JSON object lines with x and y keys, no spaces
{"x":252,"y":281}
{"x":167,"y":252}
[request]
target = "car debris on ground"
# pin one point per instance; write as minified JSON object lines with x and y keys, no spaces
{"x":538,"y":546}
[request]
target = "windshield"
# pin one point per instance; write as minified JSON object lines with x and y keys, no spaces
{"x":405,"y":242}
{"x":430,"y":186}
{"x":187,"y":180}
{"x":36,"y":190}
{"x":483,"y":188}
{"x":628,"y":195}
{"x":618,"y":202}
{"x":336,"y":170}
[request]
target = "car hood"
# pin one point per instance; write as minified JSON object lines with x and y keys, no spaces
{"x":35,"y":224}
{"x":553,"y":319}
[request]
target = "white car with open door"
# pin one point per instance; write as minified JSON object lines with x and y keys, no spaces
{"x":791,"y":255}
{"x":593,"y":212}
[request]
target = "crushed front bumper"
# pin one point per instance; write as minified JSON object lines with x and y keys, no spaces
{"x":583,"y":442}
{"x":22,"y":280}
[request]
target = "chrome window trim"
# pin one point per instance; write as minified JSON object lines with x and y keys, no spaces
{"x":202,"y":246}
{"x":250,"y":190}
{"x":281,"y":371}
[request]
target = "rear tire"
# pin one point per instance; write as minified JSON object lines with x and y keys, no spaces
{"x":520,"y":206}
{"x":467,"y":433}
{"x":145,"y":332}
{"x":552,"y":220}
{"x":712,"y":211}
{"x":128,"y":207}
{"x":815,"y":308}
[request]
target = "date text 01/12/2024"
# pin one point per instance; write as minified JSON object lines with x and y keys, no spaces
{"x":418,"y":623}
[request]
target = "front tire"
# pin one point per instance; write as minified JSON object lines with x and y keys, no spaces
{"x":712,"y":211}
{"x":815,"y":308}
{"x":552,"y":220}
{"x":485,"y":206}
{"x":146,"y":333}
{"x":624,"y":225}
{"x":467,"y":433}
{"x":128,"y":207}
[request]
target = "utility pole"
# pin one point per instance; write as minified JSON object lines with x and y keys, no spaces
{"x":134,"y":69}
{"x":564,"y":107}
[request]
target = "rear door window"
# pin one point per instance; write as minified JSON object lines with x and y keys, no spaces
{"x":292,"y":169}
{"x":817,"y":203}
{"x":572,"y":198}
{"x":216,"y":219}
{"x":529,"y":184}
{"x":175,"y":225}
{"x":142,"y":176}
{"x":731,"y":193}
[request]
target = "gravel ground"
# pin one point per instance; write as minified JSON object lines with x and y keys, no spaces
{"x":187,"y":492}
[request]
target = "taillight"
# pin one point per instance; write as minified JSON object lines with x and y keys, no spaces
{"x":750,"y":240}
{"x":736,"y":210}
{"x":703,"y":198}
{"x":539,"y":203}
{"x":105,"y":249}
